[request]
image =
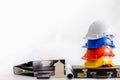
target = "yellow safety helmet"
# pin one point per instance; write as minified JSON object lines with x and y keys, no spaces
{"x":103,"y":61}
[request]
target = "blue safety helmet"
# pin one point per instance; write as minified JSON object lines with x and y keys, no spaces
{"x":96,"y":43}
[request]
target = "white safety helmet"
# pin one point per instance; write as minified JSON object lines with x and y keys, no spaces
{"x":99,"y":29}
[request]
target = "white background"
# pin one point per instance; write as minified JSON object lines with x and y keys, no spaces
{"x":51,"y":29}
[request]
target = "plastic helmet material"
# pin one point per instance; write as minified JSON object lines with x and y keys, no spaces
{"x":98,"y":63}
{"x":108,"y":62}
{"x":99,"y":29}
{"x":96,"y":53}
{"x":96,"y":43}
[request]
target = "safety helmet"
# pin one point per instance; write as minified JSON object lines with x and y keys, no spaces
{"x":96,"y":53}
{"x":99,"y":29}
{"x":96,"y":43}
{"x":107,"y":62}
{"x":98,"y":63}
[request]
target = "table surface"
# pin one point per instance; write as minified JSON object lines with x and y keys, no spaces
{"x":21,"y":77}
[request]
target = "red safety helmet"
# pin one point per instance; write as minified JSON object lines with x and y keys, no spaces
{"x":96,"y":53}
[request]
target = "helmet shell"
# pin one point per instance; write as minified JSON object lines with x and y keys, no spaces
{"x":98,"y":63}
{"x":96,"y":53}
{"x":96,"y":43}
{"x":99,"y":29}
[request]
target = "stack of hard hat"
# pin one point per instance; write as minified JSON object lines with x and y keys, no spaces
{"x":99,"y":45}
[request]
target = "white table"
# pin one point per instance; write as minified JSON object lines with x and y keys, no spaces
{"x":20,"y":77}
